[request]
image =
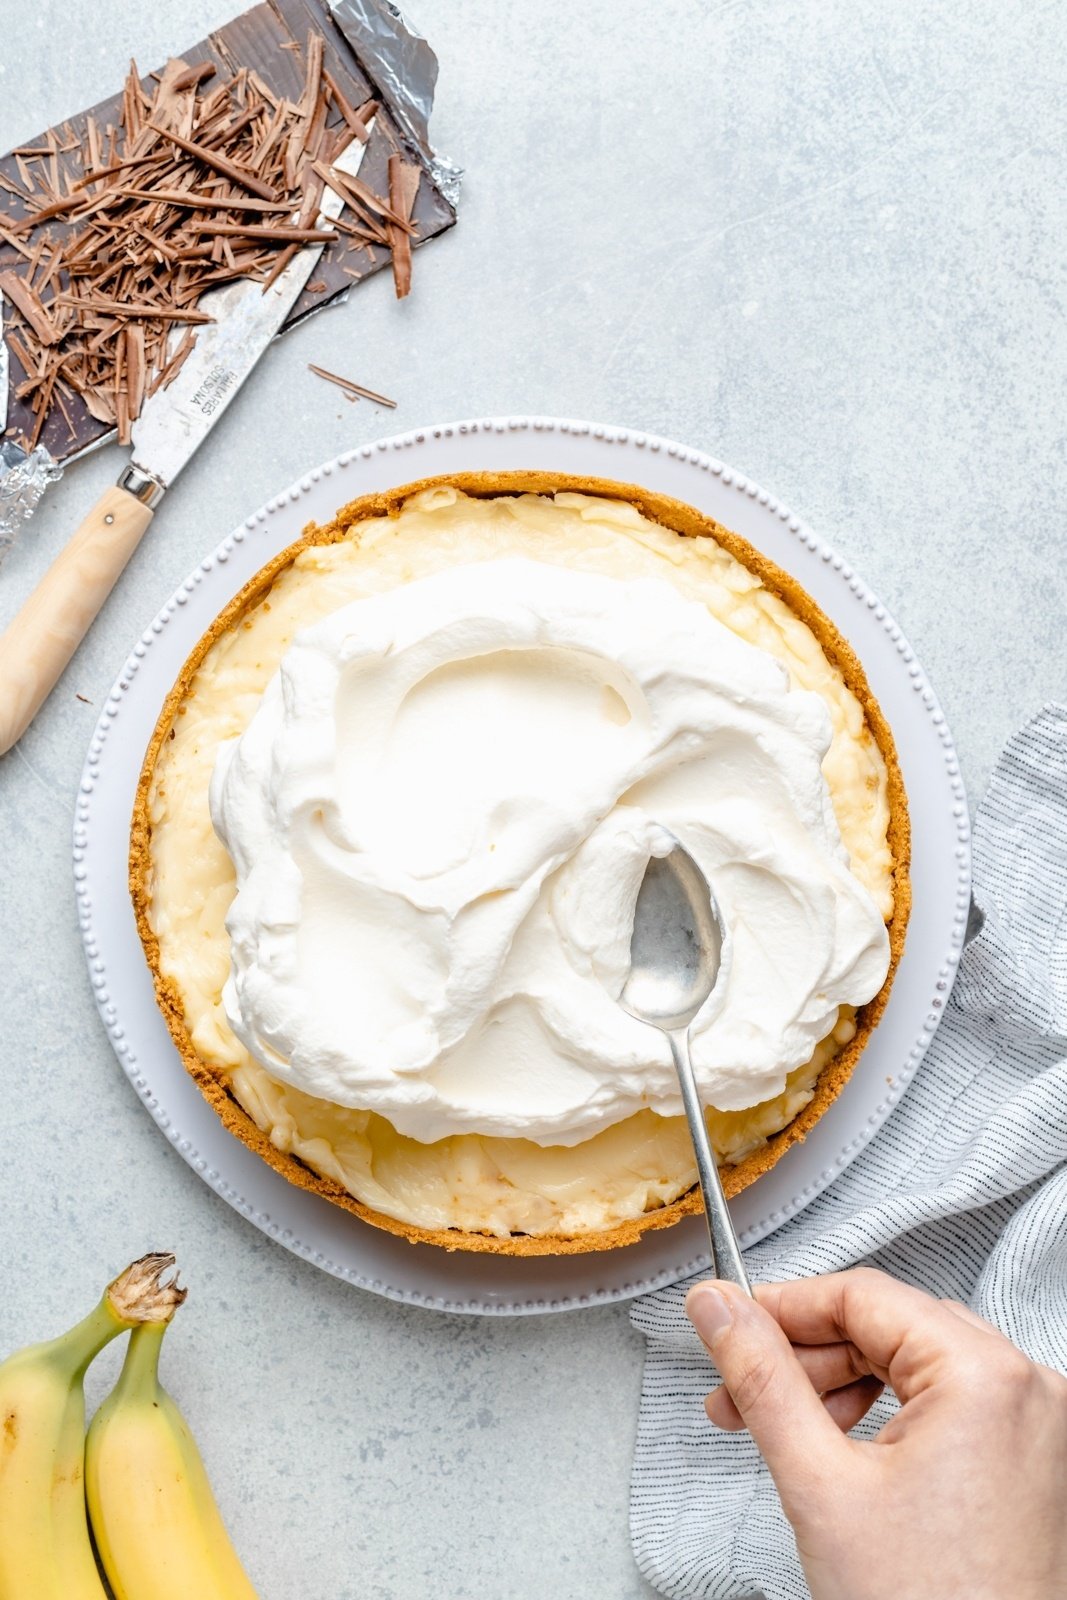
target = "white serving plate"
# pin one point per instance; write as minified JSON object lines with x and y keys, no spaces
{"x":310,"y":1226}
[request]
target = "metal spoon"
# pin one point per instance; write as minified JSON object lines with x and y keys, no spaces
{"x":675,"y":950}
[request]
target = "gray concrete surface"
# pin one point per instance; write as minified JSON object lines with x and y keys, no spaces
{"x":820,"y":238}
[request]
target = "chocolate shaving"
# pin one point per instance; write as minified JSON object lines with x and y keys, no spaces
{"x":24,"y":297}
{"x":194,"y":76}
{"x":279,"y":267}
{"x":356,"y":120}
{"x":56,"y":209}
{"x":135,"y":369}
{"x":359,"y":195}
{"x":403,"y":187}
{"x":115,"y":166}
{"x":299,"y":140}
{"x":16,"y":244}
{"x":207,"y":202}
{"x":125,"y":308}
{"x":174,"y":365}
{"x":280,"y":232}
{"x":220,"y":163}
{"x":354,"y":390}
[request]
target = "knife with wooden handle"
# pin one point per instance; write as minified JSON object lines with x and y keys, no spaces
{"x":174,"y":422}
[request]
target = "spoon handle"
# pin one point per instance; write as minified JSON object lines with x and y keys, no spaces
{"x":726,"y":1260}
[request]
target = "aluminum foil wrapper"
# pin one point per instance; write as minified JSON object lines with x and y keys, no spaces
{"x":23,"y":480}
{"x":404,"y":68}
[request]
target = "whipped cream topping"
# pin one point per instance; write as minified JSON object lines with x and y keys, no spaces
{"x":439,"y":817}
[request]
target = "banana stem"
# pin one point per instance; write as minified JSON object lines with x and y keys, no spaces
{"x":74,"y":1350}
{"x":139,"y":1378}
{"x":140,"y":1295}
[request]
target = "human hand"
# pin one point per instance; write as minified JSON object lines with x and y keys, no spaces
{"x":961,"y":1494}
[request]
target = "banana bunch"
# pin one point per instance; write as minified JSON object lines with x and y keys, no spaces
{"x":138,"y":1479}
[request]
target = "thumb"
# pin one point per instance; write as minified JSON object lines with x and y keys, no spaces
{"x":769,"y":1387}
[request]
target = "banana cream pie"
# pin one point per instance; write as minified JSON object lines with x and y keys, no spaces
{"x":391,"y":827}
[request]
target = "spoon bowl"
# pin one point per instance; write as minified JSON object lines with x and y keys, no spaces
{"x":676,"y":945}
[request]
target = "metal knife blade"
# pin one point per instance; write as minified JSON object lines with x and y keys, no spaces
{"x":175,"y":421}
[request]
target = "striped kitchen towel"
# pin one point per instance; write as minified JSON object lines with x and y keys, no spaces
{"x":963,"y":1192}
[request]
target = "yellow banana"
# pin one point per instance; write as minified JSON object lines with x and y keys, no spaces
{"x":44,"y":1536}
{"x":157,"y":1528}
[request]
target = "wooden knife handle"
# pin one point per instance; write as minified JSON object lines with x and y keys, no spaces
{"x":53,"y":622}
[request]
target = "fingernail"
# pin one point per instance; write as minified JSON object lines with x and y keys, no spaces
{"x":709,"y":1311}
